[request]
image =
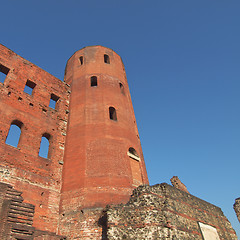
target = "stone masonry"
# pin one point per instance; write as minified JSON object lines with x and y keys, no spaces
{"x":164,"y":212}
{"x":236,"y":207}
{"x":81,"y":188}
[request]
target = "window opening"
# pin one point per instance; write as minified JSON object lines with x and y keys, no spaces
{"x":106,"y":59}
{"x":81,"y":60}
{"x":3,"y":73}
{"x":29,"y":87}
{"x":53,"y":101}
{"x":121,"y":88}
{"x":112,"y":113}
{"x":133,"y":154}
{"x":93,"y":81}
{"x":44,"y":146}
{"x":14,"y":133}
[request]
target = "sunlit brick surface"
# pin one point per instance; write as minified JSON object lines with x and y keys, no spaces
{"x":39,"y":179}
{"x":97,"y":169}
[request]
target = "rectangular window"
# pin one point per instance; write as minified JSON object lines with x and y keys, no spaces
{"x":29,"y":87}
{"x":53,"y":101}
{"x":93,"y":81}
{"x":3,"y":73}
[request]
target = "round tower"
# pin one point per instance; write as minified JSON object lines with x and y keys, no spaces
{"x":103,"y":159}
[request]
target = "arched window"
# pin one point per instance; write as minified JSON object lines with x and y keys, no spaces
{"x":14,"y":133}
{"x":112,"y":113}
{"x":44,"y":146}
{"x":133,"y":154}
{"x":81,"y":60}
{"x":106,"y":59}
{"x":93,"y":81}
{"x":121,"y":88}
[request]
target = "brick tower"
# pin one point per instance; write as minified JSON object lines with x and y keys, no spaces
{"x":103,"y":158}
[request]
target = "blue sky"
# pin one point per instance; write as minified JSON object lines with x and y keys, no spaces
{"x":182,"y":62}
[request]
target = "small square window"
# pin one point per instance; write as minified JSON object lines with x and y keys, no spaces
{"x":3,"y":73}
{"x":53,"y":101}
{"x":29,"y":87}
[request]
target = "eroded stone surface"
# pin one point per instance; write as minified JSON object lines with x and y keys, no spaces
{"x":236,"y":207}
{"x":164,"y":212}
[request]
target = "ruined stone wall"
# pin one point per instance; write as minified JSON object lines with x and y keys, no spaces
{"x":38,"y":178}
{"x":236,"y":207}
{"x":164,"y":212}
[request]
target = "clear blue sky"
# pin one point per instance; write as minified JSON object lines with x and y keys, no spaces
{"x":182,"y":60}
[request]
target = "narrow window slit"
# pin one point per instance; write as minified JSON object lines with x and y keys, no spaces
{"x":121,"y":88}
{"x":112,"y":113}
{"x":81,"y":60}
{"x":44,"y":146}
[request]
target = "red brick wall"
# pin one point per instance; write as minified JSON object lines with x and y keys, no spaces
{"x":97,"y":169}
{"x":38,"y":178}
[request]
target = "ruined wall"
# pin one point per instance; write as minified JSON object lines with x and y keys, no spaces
{"x":236,"y":207}
{"x":16,"y":217}
{"x":38,"y":178}
{"x":99,"y":167}
{"x":164,"y":212}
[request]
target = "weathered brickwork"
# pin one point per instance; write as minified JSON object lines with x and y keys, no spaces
{"x":164,"y":212}
{"x":38,"y":178}
{"x":95,"y":159}
{"x":16,"y":217}
{"x":84,"y":224}
{"x":178,"y":184}
{"x":236,"y":207}
{"x":98,"y":167}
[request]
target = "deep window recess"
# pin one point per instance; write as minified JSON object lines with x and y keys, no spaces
{"x":14,"y":133}
{"x":3,"y":73}
{"x":93,"y":81}
{"x":112,"y":113}
{"x":121,"y":88}
{"x":133,"y":154}
{"x":44,"y":146}
{"x":106,"y":59}
{"x":53,"y":101}
{"x":29,"y":87}
{"x":81,"y":60}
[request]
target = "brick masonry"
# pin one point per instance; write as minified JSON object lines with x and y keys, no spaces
{"x":16,"y":217}
{"x":39,"y":179}
{"x":95,"y":159}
